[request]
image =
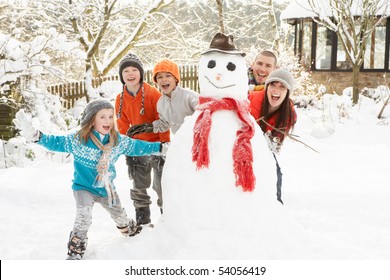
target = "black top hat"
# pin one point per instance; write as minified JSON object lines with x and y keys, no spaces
{"x":224,"y":44}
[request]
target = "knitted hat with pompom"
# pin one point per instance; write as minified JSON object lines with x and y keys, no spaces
{"x":133,"y":61}
{"x":166,"y":65}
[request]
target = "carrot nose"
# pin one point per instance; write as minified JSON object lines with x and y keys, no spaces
{"x":218,"y":77}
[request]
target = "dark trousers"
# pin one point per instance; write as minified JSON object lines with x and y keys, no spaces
{"x":140,"y":171}
{"x":279,"y":181}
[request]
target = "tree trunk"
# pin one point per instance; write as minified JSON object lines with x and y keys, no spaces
{"x":355,"y":84}
{"x":274,"y":24}
{"x":91,"y":93}
{"x":220,"y":15}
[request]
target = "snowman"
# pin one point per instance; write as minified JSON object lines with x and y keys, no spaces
{"x":219,"y":176}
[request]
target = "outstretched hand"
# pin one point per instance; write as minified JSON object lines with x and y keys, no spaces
{"x":140,"y":128}
{"x":27,"y":127}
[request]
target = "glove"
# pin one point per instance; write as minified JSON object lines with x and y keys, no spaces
{"x":164,"y":148}
{"x":139,"y":128}
{"x":28,"y":129}
{"x":273,"y":142}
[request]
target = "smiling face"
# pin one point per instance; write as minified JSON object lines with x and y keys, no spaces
{"x":276,"y":93}
{"x":223,"y":75}
{"x":131,"y":77}
{"x":262,"y":67}
{"x":104,"y":121}
{"x":166,"y":82}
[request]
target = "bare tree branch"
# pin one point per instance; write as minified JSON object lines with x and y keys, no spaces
{"x":387,"y":102}
{"x":286,"y":134}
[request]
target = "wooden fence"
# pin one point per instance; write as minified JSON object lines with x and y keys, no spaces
{"x":7,"y":114}
{"x":71,"y":92}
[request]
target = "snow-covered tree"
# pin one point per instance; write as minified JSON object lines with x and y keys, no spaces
{"x":106,"y":30}
{"x":23,"y":64}
{"x":353,"y":21}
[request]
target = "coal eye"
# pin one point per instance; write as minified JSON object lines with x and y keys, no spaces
{"x":211,"y":64}
{"x":231,"y":66}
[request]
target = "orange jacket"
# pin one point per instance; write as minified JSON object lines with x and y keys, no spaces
{"x":130,"y":114}
{"x":256,"y":99}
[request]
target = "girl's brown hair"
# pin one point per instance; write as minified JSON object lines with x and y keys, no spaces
{"x":286,"y":115}
{"x":85,"y":132}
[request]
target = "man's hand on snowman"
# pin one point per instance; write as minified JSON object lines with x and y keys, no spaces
{"x":28,"y":129}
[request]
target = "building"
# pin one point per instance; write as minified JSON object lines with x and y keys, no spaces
{"x":321,"y":52}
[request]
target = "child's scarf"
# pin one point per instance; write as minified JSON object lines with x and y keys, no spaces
{"x":103,"y":177}
{"x":242,"y":149}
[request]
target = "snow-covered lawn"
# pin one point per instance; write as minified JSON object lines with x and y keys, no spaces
{"x":340,"y":197}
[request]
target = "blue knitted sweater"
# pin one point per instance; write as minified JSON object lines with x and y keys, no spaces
{"x":87,"y":155}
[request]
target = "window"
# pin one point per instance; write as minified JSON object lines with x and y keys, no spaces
{"x":327,"y":52}
{"x":297,"y":37}
{"x":323,"y":48}
{"x":342,"y":61}
{"x":306,"y":44}
{"x":374,"y":57}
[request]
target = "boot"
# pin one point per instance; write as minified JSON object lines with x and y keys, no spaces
{"x":131,"y":229}
{"x":142,"y":215}
{"x":76,"y":247}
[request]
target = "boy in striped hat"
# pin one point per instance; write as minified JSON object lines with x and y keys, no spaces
{"x":135,"y":105}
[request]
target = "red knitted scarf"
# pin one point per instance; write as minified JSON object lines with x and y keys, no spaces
{"x":242,"y":149}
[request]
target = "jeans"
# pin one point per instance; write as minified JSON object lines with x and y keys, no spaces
{"x":84,"y":204}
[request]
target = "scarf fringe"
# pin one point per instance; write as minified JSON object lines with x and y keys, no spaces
{"x":244,"y":176}
{"x":105,"y":182}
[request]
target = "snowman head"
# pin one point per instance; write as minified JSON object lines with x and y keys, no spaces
{"x":223,"y":70}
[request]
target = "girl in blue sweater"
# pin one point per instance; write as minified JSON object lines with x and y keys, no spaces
{"x":95,"y":148}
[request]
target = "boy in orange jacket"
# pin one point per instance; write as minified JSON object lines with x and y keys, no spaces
{"x":137,"y":104}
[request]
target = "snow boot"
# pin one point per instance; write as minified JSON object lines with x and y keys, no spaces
{"x":76,"y":247}
{"x":142,"y":215}
{"x":131,"y":229}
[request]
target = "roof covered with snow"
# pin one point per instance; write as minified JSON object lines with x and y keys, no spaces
{"x":302,"y":9}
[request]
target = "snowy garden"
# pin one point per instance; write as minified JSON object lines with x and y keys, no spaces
{"x":335,"y":181}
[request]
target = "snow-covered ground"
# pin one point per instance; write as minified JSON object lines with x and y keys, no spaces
{"x":339,"y":198}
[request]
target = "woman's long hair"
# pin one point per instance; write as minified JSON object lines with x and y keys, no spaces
{"x":285,"y":119}
{"x":85,"y":132}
